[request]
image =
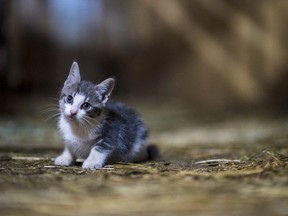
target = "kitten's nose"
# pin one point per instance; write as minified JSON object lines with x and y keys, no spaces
{"x":73,"y":113}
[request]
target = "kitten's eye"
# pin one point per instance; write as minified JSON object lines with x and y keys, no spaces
{"x":69,"y":99}
{"x":86,"y":106}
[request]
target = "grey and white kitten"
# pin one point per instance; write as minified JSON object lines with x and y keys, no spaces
{"x":97,"y":130}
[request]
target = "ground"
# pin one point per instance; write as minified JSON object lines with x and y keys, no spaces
{"x":226,"y":164}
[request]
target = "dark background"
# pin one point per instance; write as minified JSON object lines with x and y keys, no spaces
{"x":206,"y":54}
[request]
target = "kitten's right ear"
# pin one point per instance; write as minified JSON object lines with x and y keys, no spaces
{"x":74,"y":76}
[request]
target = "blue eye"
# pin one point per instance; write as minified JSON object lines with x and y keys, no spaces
{"x":85,"y":106}
{"x":69,"y":99}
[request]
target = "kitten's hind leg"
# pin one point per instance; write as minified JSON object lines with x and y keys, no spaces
{"x":96,"y":159}
{"x":65,"y":159}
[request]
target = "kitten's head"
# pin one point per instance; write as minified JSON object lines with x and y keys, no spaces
{"x":81,"y":100}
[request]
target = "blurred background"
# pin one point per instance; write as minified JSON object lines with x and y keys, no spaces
{"x":206,"y":54}
{"x":209,"y":77}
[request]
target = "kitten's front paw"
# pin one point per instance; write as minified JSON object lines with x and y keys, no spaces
{"x":91,"y":164}
{"x":63,"y":161}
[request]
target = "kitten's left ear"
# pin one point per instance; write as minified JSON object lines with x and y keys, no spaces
{"x":74,"y":75}
{"x":104,"y":89}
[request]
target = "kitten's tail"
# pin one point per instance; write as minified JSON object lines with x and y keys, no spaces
{"x":153,"y":152}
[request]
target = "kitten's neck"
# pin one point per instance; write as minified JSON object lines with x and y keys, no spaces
{"x":73,"y":129}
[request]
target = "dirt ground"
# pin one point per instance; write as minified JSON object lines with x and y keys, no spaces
{"x":210,"y":165}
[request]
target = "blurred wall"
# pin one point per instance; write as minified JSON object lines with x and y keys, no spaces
{"x":204,"y":53}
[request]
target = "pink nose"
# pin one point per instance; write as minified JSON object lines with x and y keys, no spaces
{"x":73,"y":113}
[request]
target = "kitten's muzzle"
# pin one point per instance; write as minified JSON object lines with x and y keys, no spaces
{"x":73,"y":113}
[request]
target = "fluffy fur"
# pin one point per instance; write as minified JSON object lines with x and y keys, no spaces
{"x":95,"y":129}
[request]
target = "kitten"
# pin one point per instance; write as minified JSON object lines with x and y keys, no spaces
{"x":97,"y":130}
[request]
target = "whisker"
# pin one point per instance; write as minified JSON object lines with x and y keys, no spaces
{"x":52,"y":116}
{"x":50,"y":110}
{"x":84,"y":125}
{"x":54,"y":99}
{"x":81,"y":128}
{"x":86,"y":121}
{"x":48,"y":114}
{"x":88,"y":125}
{"x":49,"y":104}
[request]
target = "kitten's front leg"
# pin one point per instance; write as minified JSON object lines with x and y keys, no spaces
{"x":96,"y":159}
{"x":65,"y":159}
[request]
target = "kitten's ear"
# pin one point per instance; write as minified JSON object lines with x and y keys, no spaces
{"x":74,"y":75}
{"x":104,"y":89}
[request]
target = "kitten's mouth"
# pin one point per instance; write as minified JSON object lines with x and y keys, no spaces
{"x":71,"y":117}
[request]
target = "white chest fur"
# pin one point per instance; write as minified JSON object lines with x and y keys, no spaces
{"x":77,"y":138}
